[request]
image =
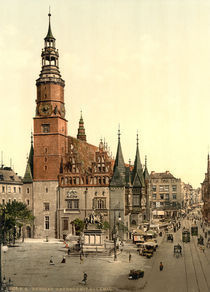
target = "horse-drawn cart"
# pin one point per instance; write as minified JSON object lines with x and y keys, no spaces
{"x":135,"y":274}
{"x":177,"y":250}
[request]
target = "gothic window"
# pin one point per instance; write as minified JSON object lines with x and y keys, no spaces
{"x":45,"y":150}
{"x":28,"y":190}
{"x":104,"y":180}
{"x":73,"y":204}
{"x":136,"y":200}
{"x":101,"y":204}
{"x":47,"y":222}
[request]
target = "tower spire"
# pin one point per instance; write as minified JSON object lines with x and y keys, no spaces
{"x":49,"y":33}
{"x":146,"y":173}
{"x":138,"y":179}
{"x":118,"y":178}
{"x":81,"y":130}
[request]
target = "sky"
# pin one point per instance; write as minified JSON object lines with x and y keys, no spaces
{"x":143,"y":64}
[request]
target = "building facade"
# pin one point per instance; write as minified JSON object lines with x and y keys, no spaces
{"x":205,"y":188}
{"x":165,"y":194}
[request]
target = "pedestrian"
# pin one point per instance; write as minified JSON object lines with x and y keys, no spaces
{"x":81,"y":259}
{"x":51,"y":260}
{"x":129,"y":258}
{"x":84,"y":278}
{"x":161,"y":266}
{"x":63,"y":260}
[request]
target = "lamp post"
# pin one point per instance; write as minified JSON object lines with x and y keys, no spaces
{"x":115,"y":237}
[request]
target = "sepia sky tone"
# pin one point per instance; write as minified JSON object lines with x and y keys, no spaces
{"x":143,"y":64}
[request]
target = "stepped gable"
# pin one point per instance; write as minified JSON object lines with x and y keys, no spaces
{"x":82,"y":151}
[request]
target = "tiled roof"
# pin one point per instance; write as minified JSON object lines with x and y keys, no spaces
{"x":164,"y":175}
{"x":8,"y":176}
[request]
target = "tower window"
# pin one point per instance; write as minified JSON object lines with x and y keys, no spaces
{"x":45,"y":167}
{"x":45,"y":149}
{"x":28,"y":190}
{"x":46,"y":190}
{"x":45,"y":128}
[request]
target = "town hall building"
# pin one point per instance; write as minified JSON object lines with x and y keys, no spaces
{"x":69,"y":178}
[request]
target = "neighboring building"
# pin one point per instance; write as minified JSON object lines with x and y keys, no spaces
{"x":187,"y":193}
{"x":205,"y":188}
{"x":11,"y":186}
{"x":68,"y":178}
{"x":165,"y":194}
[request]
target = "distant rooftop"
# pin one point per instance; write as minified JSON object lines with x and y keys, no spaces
{"x":8,"y":176}
{"x":162,"y":175}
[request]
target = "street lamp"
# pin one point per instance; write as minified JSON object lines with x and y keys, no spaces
{"x":115,"y":238}
{"x":115,"y":235}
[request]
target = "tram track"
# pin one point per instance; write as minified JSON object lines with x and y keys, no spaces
{"x":201,"y":265}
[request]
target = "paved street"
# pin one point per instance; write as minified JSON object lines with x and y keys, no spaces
{"x":28,"y":266}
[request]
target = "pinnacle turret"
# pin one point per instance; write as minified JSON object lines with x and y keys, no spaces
{"x":146,"y":173}
{"x":138,"y":178}
{"x":118,"y":178}
{"x":81,"y":130}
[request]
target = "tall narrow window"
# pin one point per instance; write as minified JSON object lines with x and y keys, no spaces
{"x":47,"y":222}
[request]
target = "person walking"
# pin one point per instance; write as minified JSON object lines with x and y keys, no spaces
{"x":81,"y":258}
{"x":84,"y":278}
{"x":161,"y":266}
{"x":51,"y":260}
{"x":63,"y":260}
{"x":129,"y":257}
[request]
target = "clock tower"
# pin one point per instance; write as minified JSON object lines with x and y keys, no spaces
{"x":50,"y":125}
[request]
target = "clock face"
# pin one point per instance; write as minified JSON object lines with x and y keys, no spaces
{"x":62,"y":111}
{"x":45,"y":109}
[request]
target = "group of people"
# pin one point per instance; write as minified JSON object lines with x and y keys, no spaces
{"x":84,"y":280}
